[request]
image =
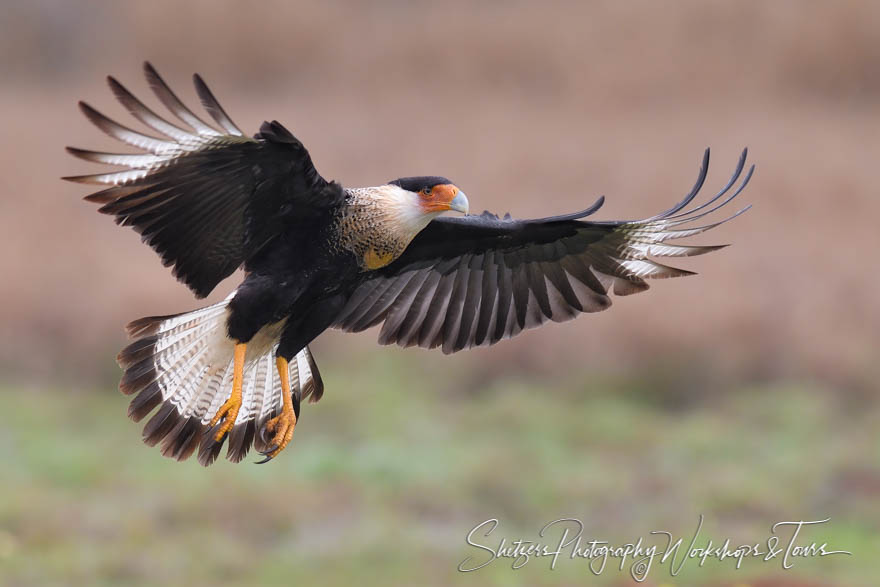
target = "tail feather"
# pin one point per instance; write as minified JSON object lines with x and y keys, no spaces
{"x":182,"y":365}
{"x":313,"y":386}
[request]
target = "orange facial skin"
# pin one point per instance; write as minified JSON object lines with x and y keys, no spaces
{"x":438,"y":199}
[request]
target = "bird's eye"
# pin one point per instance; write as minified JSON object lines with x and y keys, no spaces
{"x":426,"y":191}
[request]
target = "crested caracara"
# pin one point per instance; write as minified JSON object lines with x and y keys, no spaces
{"x":316,"y":255}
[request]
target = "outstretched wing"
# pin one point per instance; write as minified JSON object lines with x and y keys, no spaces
{"x":475,"y":280}
{"x":204,"y":199}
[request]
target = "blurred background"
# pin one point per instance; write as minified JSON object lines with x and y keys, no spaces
{"x":747,"y":394}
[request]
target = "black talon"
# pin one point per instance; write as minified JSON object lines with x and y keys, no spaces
{"x":264,"y":434}
{"x":266,"y":453}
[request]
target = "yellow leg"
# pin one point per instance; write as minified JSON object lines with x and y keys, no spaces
{"x":228,"y":412}
{"x":284,"y":423}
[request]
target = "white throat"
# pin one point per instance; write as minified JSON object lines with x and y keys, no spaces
{"x":405,"y":208}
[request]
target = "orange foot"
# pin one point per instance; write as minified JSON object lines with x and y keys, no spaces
{"x":284,"y":423}
{"x":228,"y":412}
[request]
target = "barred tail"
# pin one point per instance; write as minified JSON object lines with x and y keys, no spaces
{"x":182,"y":364}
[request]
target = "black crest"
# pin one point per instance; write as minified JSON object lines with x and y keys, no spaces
{"x":417,"y":184}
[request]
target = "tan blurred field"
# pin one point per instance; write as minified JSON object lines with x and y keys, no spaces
{"x":532,"y":108}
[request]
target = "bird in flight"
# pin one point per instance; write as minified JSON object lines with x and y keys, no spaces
{"x":316,"y":255}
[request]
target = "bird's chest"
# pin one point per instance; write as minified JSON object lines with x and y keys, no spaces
{"x":367,"y":234}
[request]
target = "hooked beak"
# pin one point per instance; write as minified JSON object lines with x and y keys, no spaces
{"x":459,"y":203}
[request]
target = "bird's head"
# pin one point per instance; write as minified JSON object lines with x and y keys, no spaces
{"x":402,"y":208}
{"x":434,"y":195}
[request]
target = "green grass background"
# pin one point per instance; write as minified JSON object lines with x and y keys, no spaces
{"x":388,"y":473}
